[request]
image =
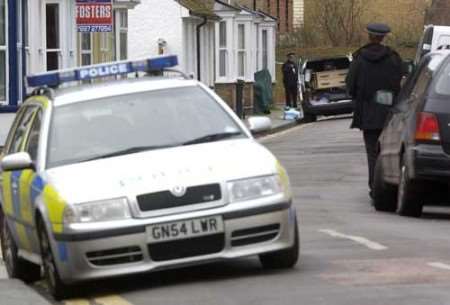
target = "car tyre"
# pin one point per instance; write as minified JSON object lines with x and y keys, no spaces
{"x":384,"y":194}
{"x":409,"y":197}
{"x":56,"y":287}
{"x":16,"y":267}
{"x":283,"y":259}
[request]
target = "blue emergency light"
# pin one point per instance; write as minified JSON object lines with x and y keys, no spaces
{"x":56,"y":78}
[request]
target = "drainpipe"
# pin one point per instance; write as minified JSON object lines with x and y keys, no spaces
{"x":205,"y":20}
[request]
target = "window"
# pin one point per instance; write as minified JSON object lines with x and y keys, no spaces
{"x":101,"y":122}
{"x":53,"y":44}
{"x":33,"y":138}
{"x":241,"y":53}
{"x":122,"y":34}
{"x":3,"y":58}
{"x":86,"y":49}
{"x":223,"y":53}
{"x":265,"y":49}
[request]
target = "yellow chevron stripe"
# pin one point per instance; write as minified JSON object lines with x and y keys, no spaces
{"x":8,"y":208}
{"x":55,"y":208}
{"x":26,"y":207}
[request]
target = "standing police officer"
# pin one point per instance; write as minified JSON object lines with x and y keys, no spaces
{"x":374,"y":67}
{"x":290,"y":80}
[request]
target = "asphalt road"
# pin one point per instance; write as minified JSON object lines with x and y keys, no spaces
{"x":350,"y":254}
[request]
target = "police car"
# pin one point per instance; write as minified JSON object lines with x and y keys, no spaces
{"x":136,"y":174}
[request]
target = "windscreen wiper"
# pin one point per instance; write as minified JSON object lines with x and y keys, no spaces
{"x":127,"y":151}
{"x":213,"y":137}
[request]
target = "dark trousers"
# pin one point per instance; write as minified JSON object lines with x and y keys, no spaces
{"x":371,"y":142}
{"x":291,"y":95}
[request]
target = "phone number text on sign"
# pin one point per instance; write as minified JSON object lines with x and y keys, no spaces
{"x":94,"y":15}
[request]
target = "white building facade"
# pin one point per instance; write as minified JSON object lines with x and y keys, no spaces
{"x":245,"y":43}
{"x":235,"y":42}
{"x":170,"y":27}
{"x":41,"y":35}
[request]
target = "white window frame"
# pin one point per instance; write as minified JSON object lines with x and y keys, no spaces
{"x":62,"y":32}
{"x":223,"y":49}
{"x":241,"y":50}
{"x":4,"y":48}
{"x":86,"y":51}
{"x":119,"y":29}
{"x":104,"y":45}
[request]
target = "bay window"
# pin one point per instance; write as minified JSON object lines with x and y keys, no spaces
{"x":241,"y":52}
{"x":223,"y":52}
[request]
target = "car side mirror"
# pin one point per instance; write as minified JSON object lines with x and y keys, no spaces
{"x":384,"y":97}
{"x":258,"y":124}
{"x":17,"y":161}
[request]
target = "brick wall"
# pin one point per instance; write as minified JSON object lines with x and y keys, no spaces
{"x":228,"y":93}
{"x":281,"y":9}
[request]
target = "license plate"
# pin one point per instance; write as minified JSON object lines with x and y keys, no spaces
{"x":185,"y":229}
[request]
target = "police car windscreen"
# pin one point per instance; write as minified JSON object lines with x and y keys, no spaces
{"x":86,"y":130}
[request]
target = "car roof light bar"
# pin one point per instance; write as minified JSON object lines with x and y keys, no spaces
{"x":56,"y":78}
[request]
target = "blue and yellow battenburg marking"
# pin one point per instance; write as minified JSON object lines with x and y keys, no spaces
{"x":21,"y":189}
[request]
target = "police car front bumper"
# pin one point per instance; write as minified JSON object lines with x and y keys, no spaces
{"x":249,"y":229}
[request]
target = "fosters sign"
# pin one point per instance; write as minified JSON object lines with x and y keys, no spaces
{"x":94,"y":15}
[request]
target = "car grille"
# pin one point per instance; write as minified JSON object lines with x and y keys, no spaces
{"x":115,"y":256}
{"x":166,"y":200}
{"x":254,"y":235}
{"x":187,"y":247}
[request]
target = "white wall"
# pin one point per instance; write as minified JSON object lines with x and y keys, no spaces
{"x":151,"y":20}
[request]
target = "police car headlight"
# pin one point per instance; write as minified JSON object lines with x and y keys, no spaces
{"x":98,"y":211}
{"x":253,"y":188}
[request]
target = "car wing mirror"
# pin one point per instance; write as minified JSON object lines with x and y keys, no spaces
{"x":17,"y":161}
{"x":258,"y":124}
{"x":384,"y":97}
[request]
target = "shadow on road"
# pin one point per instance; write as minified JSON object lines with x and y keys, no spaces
{"x":243,"y":268}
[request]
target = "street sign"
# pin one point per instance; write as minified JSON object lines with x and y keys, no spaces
{"x":94,"y":15}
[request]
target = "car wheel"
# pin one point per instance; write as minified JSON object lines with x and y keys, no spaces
{"x":57,"y":288}
{"x":16,"y":267}
{"x":409,"y":198}
{"x":384,"y":195}
{"x":283,"y":259}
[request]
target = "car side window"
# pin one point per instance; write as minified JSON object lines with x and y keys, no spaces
{"x":408,"y":88}
{"x":34,"y":135}
{"x":21,"y":130}
{"x":422,"y":82}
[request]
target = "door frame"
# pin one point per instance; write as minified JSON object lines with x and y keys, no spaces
{"x":62,"y":29}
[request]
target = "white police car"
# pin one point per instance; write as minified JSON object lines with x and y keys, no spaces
{"x":135,"y":175}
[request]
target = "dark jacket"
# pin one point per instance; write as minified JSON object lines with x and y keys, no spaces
{"x":374,"y":67}
{"x":290,"y":74}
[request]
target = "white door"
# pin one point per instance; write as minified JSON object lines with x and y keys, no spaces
{"x":53,"y":31}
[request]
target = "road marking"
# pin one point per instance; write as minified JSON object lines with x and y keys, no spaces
{"x":281,"y":133}
{"x":357,"y":239}
{"x":111,"y":300}
{"x":77,"y":302}
{"x":439,"y":265}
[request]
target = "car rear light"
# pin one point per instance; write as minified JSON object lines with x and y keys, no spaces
{"x":427,"y":128}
